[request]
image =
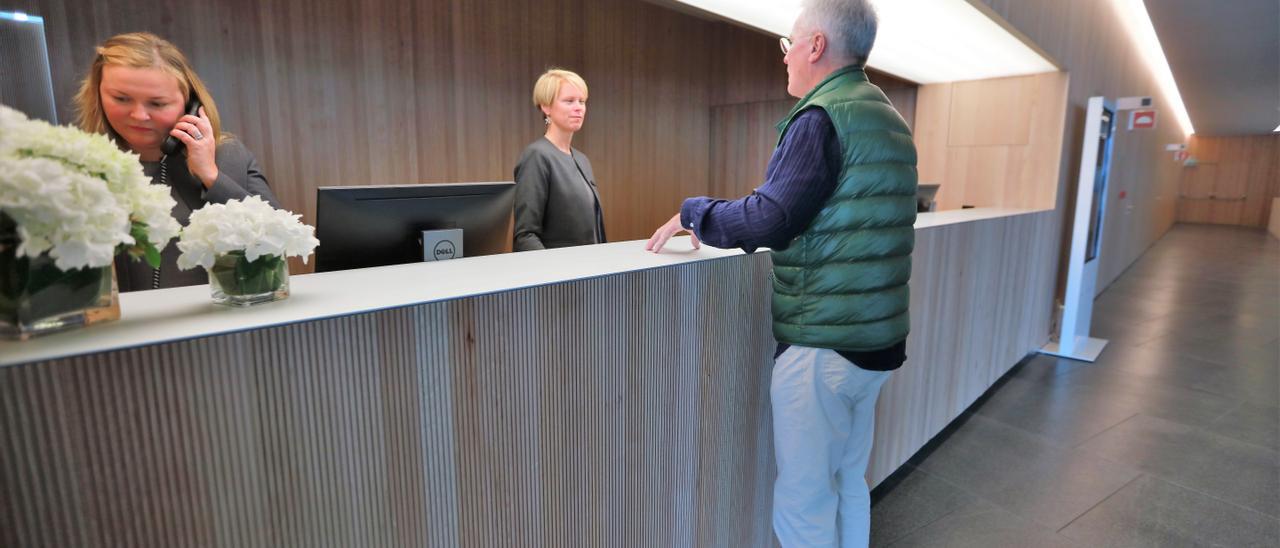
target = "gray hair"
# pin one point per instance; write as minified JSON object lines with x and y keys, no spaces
{"x":850,"y":26}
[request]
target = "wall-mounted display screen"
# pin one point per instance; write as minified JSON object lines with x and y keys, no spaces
{"x":1103,"y":167}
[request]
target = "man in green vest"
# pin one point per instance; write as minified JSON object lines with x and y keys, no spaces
{"x":838,"y":211}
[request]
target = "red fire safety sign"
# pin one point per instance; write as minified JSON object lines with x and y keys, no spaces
{"x":1142,"y":119}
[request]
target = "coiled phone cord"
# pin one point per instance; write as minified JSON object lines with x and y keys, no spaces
{"x":164,"y":180}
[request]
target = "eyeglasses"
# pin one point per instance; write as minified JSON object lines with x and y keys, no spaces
{"x":786,"y":43}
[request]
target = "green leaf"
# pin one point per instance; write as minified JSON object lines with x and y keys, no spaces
{"x":142,"y":247}
{"x":153,"y":256}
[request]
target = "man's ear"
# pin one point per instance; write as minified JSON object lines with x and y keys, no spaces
{"x":818,"y":48}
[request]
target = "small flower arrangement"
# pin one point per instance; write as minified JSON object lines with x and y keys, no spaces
{"x":70,"y":201}
{"x":77,"y":196}
{"x":243,"y":245}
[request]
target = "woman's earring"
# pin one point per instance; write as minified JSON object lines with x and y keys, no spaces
{"x":546,"y":120}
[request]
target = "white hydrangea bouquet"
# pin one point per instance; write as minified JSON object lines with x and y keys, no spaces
{"x":52,"y":186}
{"x":243,"y":245}
{"x":69,"y":202}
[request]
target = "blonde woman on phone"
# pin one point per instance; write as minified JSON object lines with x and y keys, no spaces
{"x":142,"y":92}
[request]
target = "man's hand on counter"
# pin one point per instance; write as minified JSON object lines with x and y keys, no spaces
{"x":666,"y":231}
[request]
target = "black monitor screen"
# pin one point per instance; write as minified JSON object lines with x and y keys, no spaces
{"x":363,"y":226}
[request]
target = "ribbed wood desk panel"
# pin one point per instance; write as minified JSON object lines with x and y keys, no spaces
{"x":563,"y":415}
{"x":627,"y":410}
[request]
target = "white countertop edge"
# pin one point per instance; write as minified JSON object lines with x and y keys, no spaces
{"x":185,"y":313}
{"x":936,"y":219}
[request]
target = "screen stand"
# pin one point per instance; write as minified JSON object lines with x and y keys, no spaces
{"x":1085,"y":349}
{"x":1086,"y":238}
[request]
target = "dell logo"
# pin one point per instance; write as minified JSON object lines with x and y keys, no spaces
{"x":444,"y":250}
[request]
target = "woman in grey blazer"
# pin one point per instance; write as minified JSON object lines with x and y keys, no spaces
{"x":557,"y":203}
{"x":140,"y":90}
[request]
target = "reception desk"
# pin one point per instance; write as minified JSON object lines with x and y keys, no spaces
{"x":592,"y":396}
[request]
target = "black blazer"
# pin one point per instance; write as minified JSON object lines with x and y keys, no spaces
{"x":556,"y":200}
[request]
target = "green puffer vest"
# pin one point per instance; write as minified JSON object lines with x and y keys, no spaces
{"x":842,"y":283}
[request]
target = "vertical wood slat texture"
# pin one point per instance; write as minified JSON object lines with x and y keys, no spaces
{"x":629,"y":410}
{"x":1234,"y":182}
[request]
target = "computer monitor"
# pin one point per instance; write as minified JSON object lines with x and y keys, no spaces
{"x":925,"y":193}
{"x":364,"y":226}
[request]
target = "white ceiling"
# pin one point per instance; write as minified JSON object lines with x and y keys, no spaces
{"x":1225,"y":58}
{"x":923,"y":41}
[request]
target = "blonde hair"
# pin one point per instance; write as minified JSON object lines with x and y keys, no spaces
{"x":548,"y":86}
{"x":140,"y":50}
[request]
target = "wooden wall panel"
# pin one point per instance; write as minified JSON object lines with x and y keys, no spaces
{"x":382,"y":92}
{"x":499,"y":48}
{"x":993,"y":143}
{"x":991,"y":112}
{"x":1195,"y":203}
{"x":1044,"y":159}
{"x":743,"y":138}
{"x":1273,"y":223}
{"x":752,"y":72}
{"x":1233,"y":182}
{"x":931,"y":134}
{"x":656,"y":139}
{"x":1263,"y":180}
{"x":901,"y":93}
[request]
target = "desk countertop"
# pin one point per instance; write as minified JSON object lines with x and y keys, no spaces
{"x":165,"y":315}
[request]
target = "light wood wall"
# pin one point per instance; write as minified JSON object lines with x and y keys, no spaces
{"x":1233,"y":182}
{"x":1088,"y":40}
{"x":993,"y":143}
{"x":382,"y":91}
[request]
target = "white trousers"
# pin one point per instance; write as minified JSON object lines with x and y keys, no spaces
{"x":823,"y":420}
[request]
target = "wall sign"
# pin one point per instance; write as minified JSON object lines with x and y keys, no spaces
{"x":1142,"y":119}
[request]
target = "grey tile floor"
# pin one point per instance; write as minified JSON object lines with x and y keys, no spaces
{"x":1171,"y":439}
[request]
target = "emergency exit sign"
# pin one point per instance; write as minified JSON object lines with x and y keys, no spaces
{"x":1142,"y":119}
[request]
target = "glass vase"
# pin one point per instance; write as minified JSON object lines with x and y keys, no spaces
{"x":38,"y":298}
{"x":234,"y":280}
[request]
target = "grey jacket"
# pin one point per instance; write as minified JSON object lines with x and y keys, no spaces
{"x":238,"y":176}
{"x":556,"y":200}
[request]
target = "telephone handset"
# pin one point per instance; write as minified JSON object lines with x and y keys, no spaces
{"x":171,"y":144}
